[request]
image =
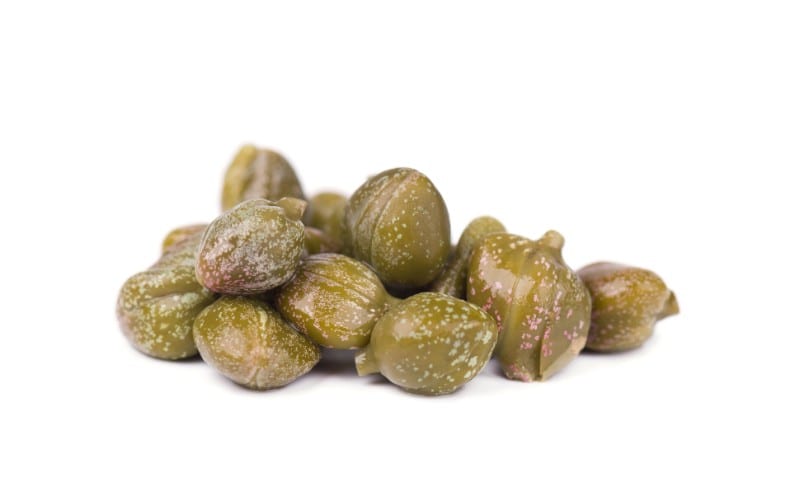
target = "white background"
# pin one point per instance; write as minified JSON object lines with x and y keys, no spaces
{"x":661,"y":134}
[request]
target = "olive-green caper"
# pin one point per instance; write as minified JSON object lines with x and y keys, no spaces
{"x":326,"y":212}
{"x":398,"y":223}
{"x":181,"y":253}
{"x":252,"y":248}
{"x":259,"y":174}
{"x":180,"y":234}
{"x":430,"y":343}
{"x":335,"y":300}
{"x":626,"y":304}
{"x":453,"y":280}
{"x":541,"y":306}
{"x":156,"y":308}
{"x":247,"y":341}
{"x":316,"y":241}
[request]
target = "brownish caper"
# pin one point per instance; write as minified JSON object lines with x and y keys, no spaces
{"x":252,"y":248}
{"x":626,"y":304}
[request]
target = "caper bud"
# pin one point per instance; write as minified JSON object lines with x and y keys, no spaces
{"x":326,"y":212}
{"x":335,"y":300}
{"x":259,"y":174}
{"x":453,"y":280}
{"x":253,"y":247}
{"x":181,"y":253}
{"x":247,"y":341}
{"x":398,"y":223}
{"x":156,"y":308}
{"x":541,"y":306}
{"x":316,"y":241}
{"x":430,"y":343}
{"x":626,"y":304}
{"x":180,"y":234}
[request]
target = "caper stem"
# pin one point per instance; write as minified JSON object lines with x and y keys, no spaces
{"x":365,"y":362}
{"x":293,"y":207}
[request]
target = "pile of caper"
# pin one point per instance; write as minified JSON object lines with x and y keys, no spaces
{"x":276,"y":276}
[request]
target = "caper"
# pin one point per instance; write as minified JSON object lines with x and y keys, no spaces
{"x":317,"y":241}
{"x":453,"y":280}
{"x":335,"y":300}
{"x":180,"y":234}
{"x":626,"y":304}
{"x":247,"y":341}
{"x":541,"y":306}
{"x":430,"y":343}
{"x":326,"y":212}
{"x":156,"y":308}
{"x":252,"y":248}
{"x":259,"y":174}
{"x":397,"y":222}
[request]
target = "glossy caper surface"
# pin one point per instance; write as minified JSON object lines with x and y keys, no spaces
{"x":259,"y":174}
{"x":335,"y":300}
{"x":247,"y":341}
{"x":430,"y":343}
{"x":626,"y":304}
{"x":252,"y":248}
{"x":541,"y":307}
{"x":398,"y":223}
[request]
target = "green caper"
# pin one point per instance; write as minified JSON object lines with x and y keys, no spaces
{"x":626,"y":304}
{"x":326,"y":212}
{"x":453,"y":280}
{"x":541,"y":306}
{"x":335,"y":300}
{"x":180,"y":234}
{"x":156,"y":308}
{"x":430,"y":343}
{"x":259,"y":174}
{"x":252,"y":248}
{"x":247,"y":341}
{"x":317,"y":241}
{"x":397,"y":222}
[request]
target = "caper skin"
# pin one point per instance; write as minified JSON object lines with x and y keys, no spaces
{"x":335,"y":300}
{"x":397,"y":222}
{"x":453,"y":280}
{"x":247,"y":341}
{"x":541,"y":306}
{"x":430,"y":343}
{"x":259,"y":174}
{"x":626,"y":304}
{"x":326,"y":212}
{"x":156,"y":309}
{"x":254,"y":247}
{"x":180,"y":234}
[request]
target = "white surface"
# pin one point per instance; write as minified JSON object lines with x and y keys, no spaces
{"x":661,"y":136}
